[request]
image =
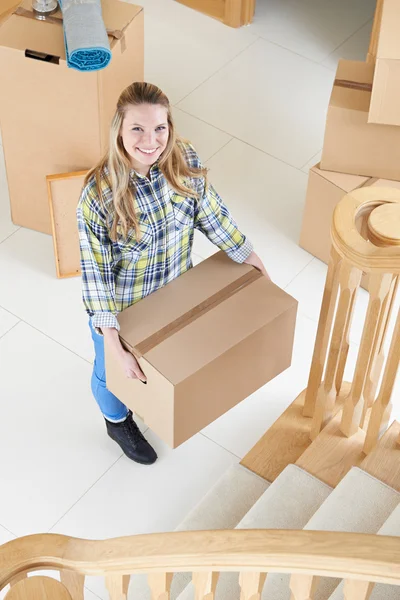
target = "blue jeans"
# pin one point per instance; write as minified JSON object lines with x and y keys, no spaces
{"x":112,"y":408}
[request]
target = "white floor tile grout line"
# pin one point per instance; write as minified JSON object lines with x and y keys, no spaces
{"x":344,"y":42}
{"x":300,"y":272}
{"x":234,"y":137}
{"x":220,"y":445}
{"x":92,"y":592}
{"x":314,"y":62}
{"x":9,"y":236}
{"x":8,"y":331}
{"x":222,"y":147}
{"x":43,"y":333}
{"x":257,"y":38}
{"x":86,"y":492}
{"x":8,"y":530}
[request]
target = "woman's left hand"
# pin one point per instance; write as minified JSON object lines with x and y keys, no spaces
{"x":256,"y":262}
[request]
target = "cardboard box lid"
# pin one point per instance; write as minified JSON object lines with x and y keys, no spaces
{"x":196,"y":327}
{"x":345,"y":182}
{"x":346,"y":93}
{"x":389,"y":39}
{"x":23,"y":33}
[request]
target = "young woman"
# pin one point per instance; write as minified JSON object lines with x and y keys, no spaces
{"x":136,"y":216}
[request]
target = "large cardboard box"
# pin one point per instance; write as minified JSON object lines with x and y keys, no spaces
{"x":385,"y":98}
{"x":325,"y":190}
{"x":55,"y":119}
{"x":206,"y":341}
{"x":352,"y":145}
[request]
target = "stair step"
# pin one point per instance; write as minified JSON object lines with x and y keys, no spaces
{"x":380,"y":591}
{"x":288,"y":503}
{"x":359,"y":504}
{"x":223,"y":507}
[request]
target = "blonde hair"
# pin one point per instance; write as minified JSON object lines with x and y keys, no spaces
{"x":115,"y":166}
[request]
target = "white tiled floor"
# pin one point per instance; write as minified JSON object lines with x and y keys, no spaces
{"x":253,"y":101}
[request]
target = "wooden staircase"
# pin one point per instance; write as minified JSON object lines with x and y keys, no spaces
{"x":330,"y":428}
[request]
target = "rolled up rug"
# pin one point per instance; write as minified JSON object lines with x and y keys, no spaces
{"x":86,"y":42}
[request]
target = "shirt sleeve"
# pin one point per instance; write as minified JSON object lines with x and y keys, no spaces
{"x":215,"y":221}
{"x":98,"y":284}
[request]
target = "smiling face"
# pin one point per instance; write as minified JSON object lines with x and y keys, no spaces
{"x":144,"y":135}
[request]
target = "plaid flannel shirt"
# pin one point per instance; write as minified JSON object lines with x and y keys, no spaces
{"x":117,"y":274}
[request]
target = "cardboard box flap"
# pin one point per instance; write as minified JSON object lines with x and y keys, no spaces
{"x":389,"y":39}
{"x":388,"y":183}
{"x":23,"y":33}
{"x":352,"y":86}
{"x":345,"y":182}
{"x":143,"y":320}
{"x":218,"y":330}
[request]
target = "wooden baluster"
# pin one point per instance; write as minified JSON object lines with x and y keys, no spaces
{"x":205,"y":585}
{"x":357,"y":590}
{"x":117,"y":586}
{"x":349,"y":280}
{"x":380,"y":285}
{"x":344,"y":350}
{"x":74,"y":582}
{"x":323,"y":333}
{"x":382,"y":407}
{"x":378,"y":354}
{"x":160,"y":585}
{"x":303,"y":587}
{"x":251,"y":585}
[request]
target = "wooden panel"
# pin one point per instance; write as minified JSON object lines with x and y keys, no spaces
{"x":234,"y":13}
{"x":64,"y":192}
{"x":212,"y":8}
{"x":283,"y":443}
{"x":384,"y":461}
{"x":373,"y":44}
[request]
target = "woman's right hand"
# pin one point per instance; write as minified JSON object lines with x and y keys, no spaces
{"x":127,"y":361}
{"x":131,"y":366}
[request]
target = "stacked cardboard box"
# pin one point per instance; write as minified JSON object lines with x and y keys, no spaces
{"x":362,"y":135}
{"x":55,"y":119}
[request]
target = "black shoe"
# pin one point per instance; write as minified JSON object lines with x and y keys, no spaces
{"x":128,"y":435}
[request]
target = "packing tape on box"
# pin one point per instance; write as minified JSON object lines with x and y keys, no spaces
{"x":353,"y":85}
{"x":117,"y":34}
{"x":191,"y":315}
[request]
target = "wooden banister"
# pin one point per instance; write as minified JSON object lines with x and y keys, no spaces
{"x":365,"y":239}
{"x":352,"y":556}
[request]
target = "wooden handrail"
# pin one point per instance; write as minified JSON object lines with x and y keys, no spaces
{"x":346,"y":555}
